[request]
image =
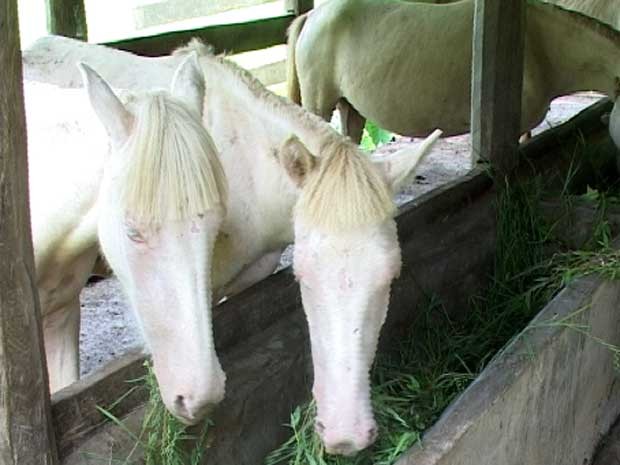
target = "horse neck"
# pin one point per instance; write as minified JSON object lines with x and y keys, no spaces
{"x":249,"y":137}
{"x":579,"y":53}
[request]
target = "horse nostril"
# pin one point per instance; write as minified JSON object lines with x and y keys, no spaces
{"x":179,"y":401}
{"x":372,"y":434}
{"x":345,"y":448}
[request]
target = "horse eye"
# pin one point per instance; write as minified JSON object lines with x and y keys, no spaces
{"x":135,"y":236}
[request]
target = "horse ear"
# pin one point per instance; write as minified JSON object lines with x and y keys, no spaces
{"x":188,"y":83}
{"x":399,"y":167}
{"x":296,"y":160}
{"x":108,"y":108}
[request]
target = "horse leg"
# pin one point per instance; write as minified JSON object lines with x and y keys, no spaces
{"x":251,"y":274}
{"x":352,"y":122}
{"x":61,"y":333}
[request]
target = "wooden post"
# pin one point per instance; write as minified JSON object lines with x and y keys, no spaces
{"x":299,"y":7}
{"x":497,"y":81}
{"x":67,"y":18}
{"x":26,"y":436}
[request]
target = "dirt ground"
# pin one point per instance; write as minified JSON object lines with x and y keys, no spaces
{"x":109,"y":329}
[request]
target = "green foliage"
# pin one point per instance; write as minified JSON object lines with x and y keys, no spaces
{"x":163,"y":439}
{"x":374,"y":137}
{"x":167,"y":441}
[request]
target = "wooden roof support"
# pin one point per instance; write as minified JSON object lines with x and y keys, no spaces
{"x":26,"y":435}
{"x":231,"y":38}
{"x":67,"y":18}
{"x":497,"y":81}
{"x":299,"y":7}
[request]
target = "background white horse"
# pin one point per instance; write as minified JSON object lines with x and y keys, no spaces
{"x":155,"y":201}
{"x":407,"y":65}
{"x":607,"y":11}
{"x":277,"y":158}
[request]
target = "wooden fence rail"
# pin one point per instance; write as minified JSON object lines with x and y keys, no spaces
{"x":239,"y":37}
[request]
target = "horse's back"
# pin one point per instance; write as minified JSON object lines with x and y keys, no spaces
{"x":371,"y":42}
{"x":606,"y":11}
{"x":54,"y":59}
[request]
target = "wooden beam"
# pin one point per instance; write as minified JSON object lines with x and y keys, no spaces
{"x":67,"y":18}
{"x":26,"y":435}
{"x":497,"y":81}
{"x":299,"y":7}
{"x":234,"y":38}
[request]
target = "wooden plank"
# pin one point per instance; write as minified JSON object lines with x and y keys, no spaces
{"x":299,"y":7}
{"x":233,"y":38}
{"x":546,"y":398}
{"x":26,"y":435}
{"x":67,"y":18}
{"x":497,"y":81}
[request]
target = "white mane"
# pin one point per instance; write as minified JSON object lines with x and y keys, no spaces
{"x":345,"y":192}
{"x":172,"y":170}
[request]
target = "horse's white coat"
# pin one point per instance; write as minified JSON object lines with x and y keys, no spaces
{"x":76,"y":186}
{"x":345,"y":275}
{"x":66,"y":149}
{"x":607,"y":11}
{"x":407,"y":65}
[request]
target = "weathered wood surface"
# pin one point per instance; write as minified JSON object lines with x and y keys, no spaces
{"x":67,"y":18}
{"x":547,"y":399}
{"x":26,"y":435}
{"x":497,"y":81}
{"x":235,"y":38}
{"x":299,"y":7}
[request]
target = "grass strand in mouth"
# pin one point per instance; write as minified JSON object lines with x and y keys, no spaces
{"x":163,"y":439}
{"x":412,"y":385}
{"x":167,"y":441}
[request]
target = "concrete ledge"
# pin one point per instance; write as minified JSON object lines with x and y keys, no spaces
{"x":547,"y":399}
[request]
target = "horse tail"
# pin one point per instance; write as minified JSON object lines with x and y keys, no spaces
{"x":292,"y":78}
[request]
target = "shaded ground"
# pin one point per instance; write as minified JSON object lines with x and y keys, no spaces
{"x":109,"y":329}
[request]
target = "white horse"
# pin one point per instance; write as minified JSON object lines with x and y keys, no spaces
{"x":407,"y":65}
{"x":607,"y":11}
{"x":155,"y":200}
{"x":280,"y":159}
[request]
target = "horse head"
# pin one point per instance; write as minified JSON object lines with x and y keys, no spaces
{"x":346,"y":256}
{"x":161,"y":205}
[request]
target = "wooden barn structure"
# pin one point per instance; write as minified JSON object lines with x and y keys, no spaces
{"x":35,"y":429}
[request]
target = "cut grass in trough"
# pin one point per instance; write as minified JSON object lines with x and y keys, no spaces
{"x":163,"y":439}
{"x":413,"y":384}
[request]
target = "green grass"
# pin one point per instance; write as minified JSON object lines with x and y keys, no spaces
{"x":163,"y":439}
{"x":167,"y":441}
{"x":374,"y":137}
{"x":412,"y":385}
